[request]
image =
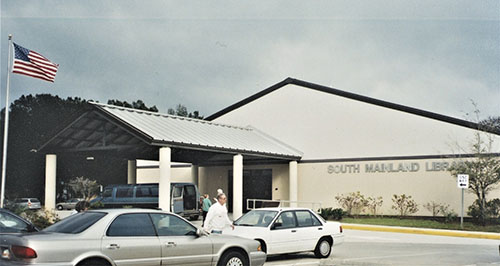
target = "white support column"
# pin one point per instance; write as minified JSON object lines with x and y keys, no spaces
{"x":293,"y":183}
{"x":132,"y":172}
{"x":237,"y":186}
{"x":50,"y":181}
{"x":165,"y":173}
{"x":194,"y":175}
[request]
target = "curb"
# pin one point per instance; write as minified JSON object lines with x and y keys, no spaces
{"x":411,"y":230}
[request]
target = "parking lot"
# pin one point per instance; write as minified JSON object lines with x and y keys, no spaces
{"x":386,"y":248}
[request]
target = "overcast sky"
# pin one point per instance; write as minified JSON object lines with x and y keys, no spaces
{"x":207,"y":55}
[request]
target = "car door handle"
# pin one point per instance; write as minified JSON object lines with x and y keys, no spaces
{"x":320,"y":228}
{"x":113,"y":246}
{"x":293,"y":231}
{"x":171,"y":244}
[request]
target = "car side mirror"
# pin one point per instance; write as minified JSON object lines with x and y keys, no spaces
{"x":277,"y":224}
{"x":32,"y":228}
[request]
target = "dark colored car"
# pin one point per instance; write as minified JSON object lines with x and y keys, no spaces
{"x":12,"y":223}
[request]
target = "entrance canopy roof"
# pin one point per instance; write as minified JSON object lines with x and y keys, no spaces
{"x":138,"y":134}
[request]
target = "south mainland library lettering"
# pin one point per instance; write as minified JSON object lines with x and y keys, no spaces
{"x":400,"y":167}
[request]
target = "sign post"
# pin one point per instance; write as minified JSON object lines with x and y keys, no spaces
{"x":462,"y":183}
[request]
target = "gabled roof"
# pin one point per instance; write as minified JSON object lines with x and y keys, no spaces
{"x":353,"y":96}
{"x":119,"y":127}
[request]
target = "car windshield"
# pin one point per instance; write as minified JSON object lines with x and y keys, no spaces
{"x":76,"y":223}
{"x":259,"y":218}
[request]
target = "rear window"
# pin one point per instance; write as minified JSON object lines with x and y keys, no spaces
{"x":154,"y":191}
{"x":107,"y":193}
{"x":177,"y":192}
{"x":134,"y":224}
{"x":124,"y":192}
{"x":76,"y":223}
{"x":142,"y":192}
{"x":34,"y":200}
{"x":189,"y":191}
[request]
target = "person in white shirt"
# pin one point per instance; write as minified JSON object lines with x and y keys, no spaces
{"x":217,"y":217}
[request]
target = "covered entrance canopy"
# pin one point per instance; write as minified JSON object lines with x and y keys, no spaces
{"x":138,"y":134}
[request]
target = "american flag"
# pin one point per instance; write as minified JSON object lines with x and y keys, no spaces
{"x":33,"y":64}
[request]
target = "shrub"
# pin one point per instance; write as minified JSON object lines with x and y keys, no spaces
{"x":337,"y":214}
{"x":325,"y":212}
{"x":374,"y":203}
{"x":41,"y":218}
{"x":449,"y":214}
{"x":353,"y":203}
{"x":492,"y":209}
{"x":404,"y":204}
{"x":435,"y":208}
{"x":96,"y":205}
{"x":331,"y":213}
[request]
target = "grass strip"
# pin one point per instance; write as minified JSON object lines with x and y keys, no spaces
{"x":422,"y":224}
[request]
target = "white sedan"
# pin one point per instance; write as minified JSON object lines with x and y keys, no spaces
{"x":289,"y":230}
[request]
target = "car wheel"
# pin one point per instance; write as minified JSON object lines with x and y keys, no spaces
{"x":323,"y":248}
{"x":59,"y":207}
{"x":94,"y":262}
{"x":233,"y":258}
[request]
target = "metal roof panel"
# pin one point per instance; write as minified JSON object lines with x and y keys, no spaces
{"x":170,"y":129}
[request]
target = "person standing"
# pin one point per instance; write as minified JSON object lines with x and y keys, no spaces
{"x":217,"y":218}
{"x":205,"y":206}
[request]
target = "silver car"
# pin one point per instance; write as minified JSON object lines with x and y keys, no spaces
{"x":127,"y":237}
{"x":28,"y":203}
{"x":67,"y":205}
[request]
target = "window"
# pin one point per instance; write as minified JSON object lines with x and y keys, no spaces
{"x":134,"y":224}
{"x":285,"y":220}
{"x":170,"y":225}
{"x":154,"y":192}
{"x":177,"y":192}
{"x":189,"y":191}
{"x":142,"y":192}
{"x":9,"y":223}
{"x":107,"y":193}
{"x":124,"y":192}
{"x":256,"y":218}
{"x":76,"y":223}
{"x":305,"y":218}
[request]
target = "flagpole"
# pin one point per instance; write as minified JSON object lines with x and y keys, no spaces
{"x":6,"y":127}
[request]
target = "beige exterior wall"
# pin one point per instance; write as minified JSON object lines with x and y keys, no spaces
{"x":212,"y":178}
{"x":326,"y":126}
{"x":426,"y":181}
{"x":152,"y":175}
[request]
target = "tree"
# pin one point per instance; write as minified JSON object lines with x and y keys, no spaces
{"x":33,"y":120}
{"x":84,"y":187}
{"x":139,"y":104}
{"x":484,"y":168}
{"x":181,"y":110}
